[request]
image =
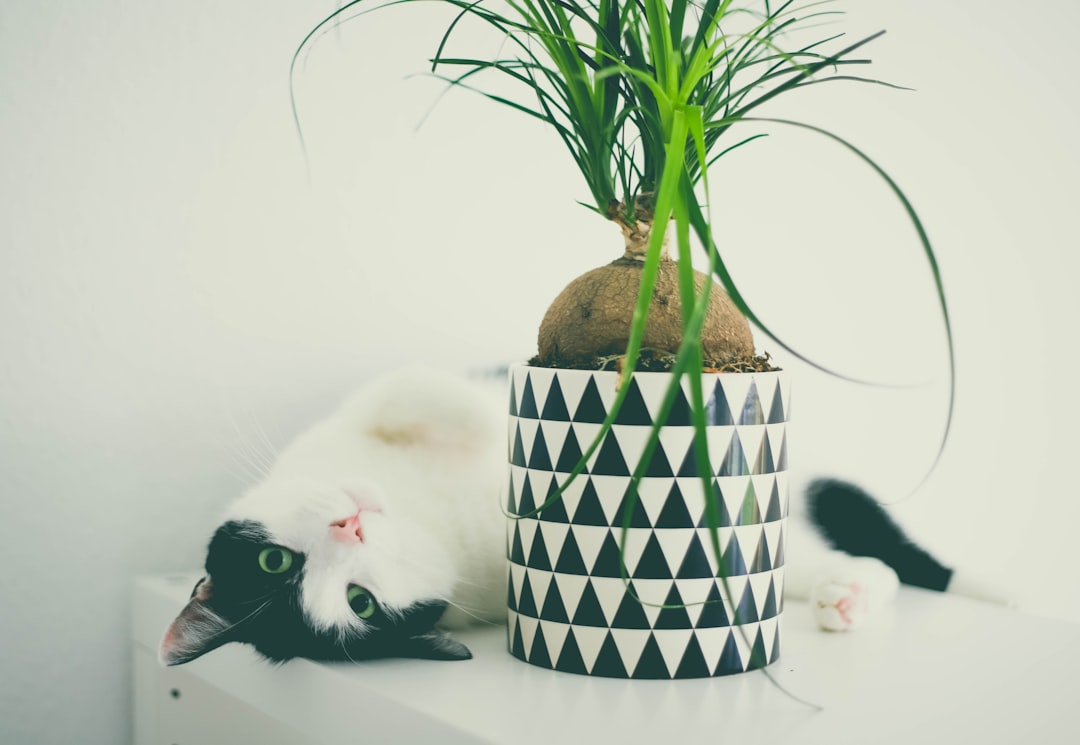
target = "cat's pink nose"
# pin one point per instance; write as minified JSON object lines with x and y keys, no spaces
{"x":347,"y":530}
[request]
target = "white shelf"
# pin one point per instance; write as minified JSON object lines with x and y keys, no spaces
{"x":935,"y":669}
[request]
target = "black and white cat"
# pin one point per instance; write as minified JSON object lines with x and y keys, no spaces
{"x":380,"y":528}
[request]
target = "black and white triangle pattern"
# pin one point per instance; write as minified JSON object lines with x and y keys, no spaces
{"x":643,"y":653}
{"x":655,"y":607}
{"x":586,"y":396}
{"x":554,"y":417}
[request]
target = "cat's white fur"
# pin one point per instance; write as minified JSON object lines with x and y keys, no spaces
{"x":423,"y":456}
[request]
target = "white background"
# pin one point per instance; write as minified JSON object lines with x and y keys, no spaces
{"x":180,"y":290}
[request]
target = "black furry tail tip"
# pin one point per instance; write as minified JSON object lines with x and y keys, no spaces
{"x":853,"y":522}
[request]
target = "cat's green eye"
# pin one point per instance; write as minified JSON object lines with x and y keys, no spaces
{"x":361,"y":602}
{"x":275,"y":560}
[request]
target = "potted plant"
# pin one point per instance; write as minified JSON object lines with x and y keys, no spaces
{"x":647,"y":492}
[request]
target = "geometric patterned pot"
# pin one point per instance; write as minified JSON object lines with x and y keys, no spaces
{"x":569,"y":607}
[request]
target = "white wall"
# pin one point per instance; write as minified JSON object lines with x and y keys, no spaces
{"x":173,"y":288}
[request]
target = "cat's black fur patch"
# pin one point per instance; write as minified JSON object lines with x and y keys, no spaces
{"x":853,"y":522}
{"x":284,"y":635}
{"x":232,"y":560}
{"x":265,"y":609}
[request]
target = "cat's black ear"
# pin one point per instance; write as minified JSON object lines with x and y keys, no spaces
{"x":436,"y":645}
{"x":197,"y":630}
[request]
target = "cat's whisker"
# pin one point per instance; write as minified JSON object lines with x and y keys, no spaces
{"x":246,"y":476}
{"x":267,"y":596}
{"x":258,"y":460}
{"x":253,"y":614}
{"x":472,"y":583}
{"x":233,"y":464}
{"x":472,"y":614}
{"x":350,"y":633}
{"x":221,"y":632}
{"x":255,"y":470}
{"x":260,"y":446}
{"x":240,"y":478}
{"x":235,"y":468}
{"x":272,"y":450}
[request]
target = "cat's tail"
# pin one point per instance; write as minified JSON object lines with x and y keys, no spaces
{"x":853,"y":522}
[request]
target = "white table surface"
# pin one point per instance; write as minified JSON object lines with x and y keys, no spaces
{"x":932,"y":669}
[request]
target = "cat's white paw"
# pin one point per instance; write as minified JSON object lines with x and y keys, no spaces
{"x":852,"y":591}
{"x":837,"y":606}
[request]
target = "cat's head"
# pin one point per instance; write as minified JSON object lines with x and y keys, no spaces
{"x":325,"y":572}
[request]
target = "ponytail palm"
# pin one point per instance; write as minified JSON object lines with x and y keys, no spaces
{"x":647,"y":96}
{"x":643,"y":95}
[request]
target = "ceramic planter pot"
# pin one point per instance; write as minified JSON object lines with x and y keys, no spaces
{"x":569,"y":607}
